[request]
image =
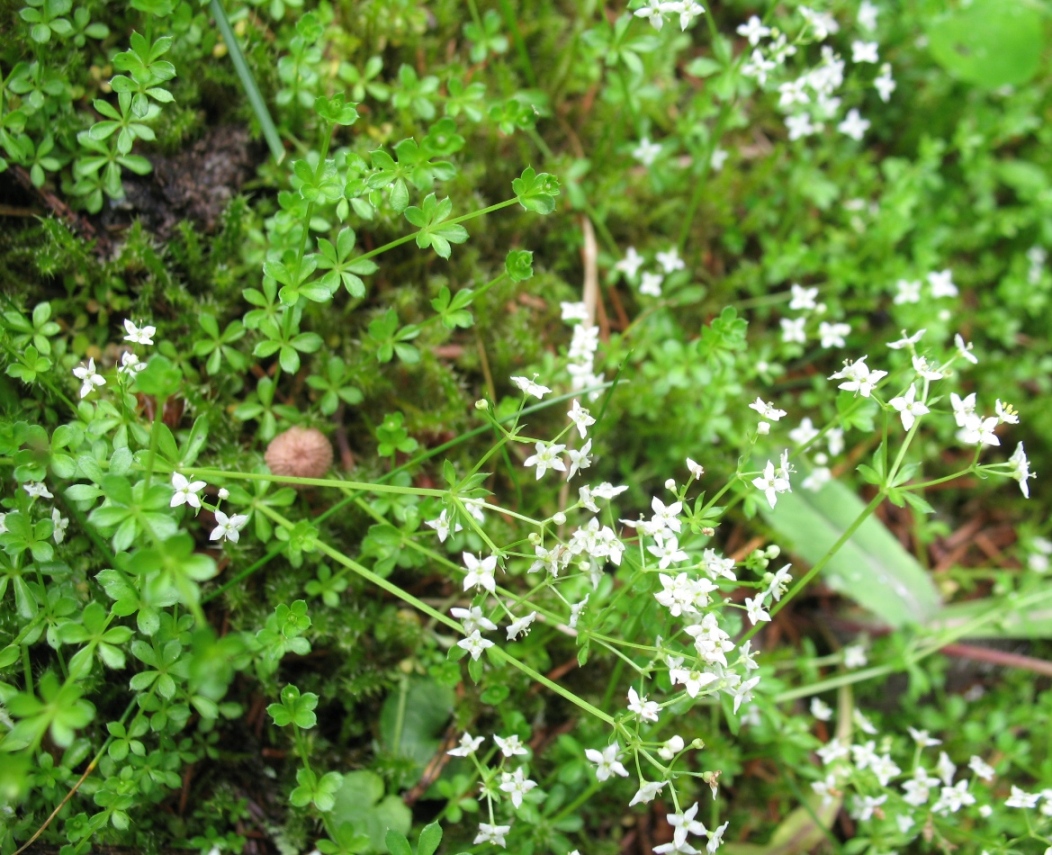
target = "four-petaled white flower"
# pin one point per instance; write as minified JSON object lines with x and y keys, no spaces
{"x":59,"y":525}
{"x":480,"y":573}
{"x":606,"y":762}
{"x":228,"y":528}
{"x":510,"y":746}
{"x":646,"y":152}
{"x":581,"y":418}
{"x":630,"y":264}
{"x":766,"y":411}
{"x":753,"y":30}
{"x":941,"y":282}
{"x":771,"y":483}
{"x":1021,"y":469}
{"x":579,"y":458}
{"x":529,"y":387}
{"x":1006,"y":413}
{"x":521,"y":626}
{"x":546,"y":457}
{"x":467,"y":746}
{"x":907,"y":291}
{"x":864,"y":52}
{"x":755,"y":610}
{"x":651,"y":284}
{"x":186,"y":491}
{"x":37,"y":490}
{"x":908,"y":407}
{"x":670,"y":261}
{"x":474,"y":644}
{"x":854,"y":125}
{"x":832,"y":335}
{"x":139,"y":335}
{"x":647,"y":791}
{"x":473,"y":619}
{"x":884,"y":83}
{"x":492,"y":834}
{"x":516,"y":785}
{"x":90,"y":379}
{"x":793,"y":330}
{"x":646,"y":710}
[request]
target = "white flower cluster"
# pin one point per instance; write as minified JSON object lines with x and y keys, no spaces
{"x":810,"y":100}
{"x":583,"y":347}
{"x":88,"y":375}
{"x":911,"y":797}
{"x":186,"y":493}
{"x":650,"y":284}
{"x":794,"y":329}
{"x":658,"y":11}
{"x":940,"y":284}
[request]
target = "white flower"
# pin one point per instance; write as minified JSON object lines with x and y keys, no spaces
{"x":716,"y":838}
{"x":139,"y":335}
{"x":755,"y":610}
{"x":832,"y":751}
{"x":529,"y":387}
{"x":688,"y":11}
{"x":1006,"y":413}
{"x":516,"y":785}
{"x":946,"y":768}
{"x":771,"y":483}
{"x":473,"y":619}
{"x":223,"y":493}
{"x":647,"y":791}
{"x":981,"y":768}
{"x":865,"y":806}
{"x":546,"y":457}
{"x":90,"y":380}
{"x":863,"y":755}
{"x":766,"y":411}
{"x":965,"y":349}
{"x":581,"y":418}
{"x":646,"y":710}
{"x":1021,"y":469}
{"x":952,"y":799}
{"x":651,"y":284}
{"x":186,"y":492}
{"x":1022,"y":799}
{"x":579,"y":458}
{"x":802,"y":299}
{"x":855,"y":656}
{"x":130,"y":364}
{"x":521,"y":626}
{"x":441,"y":525}
{"x":654,"y":11}
{"x":474,"y":644}
{"x":696,"y":470}
{"x":59,"y":525}
{"x":578,"y":311}
{"x":922,"y":738}
{"x":867,"y":16}
{"x":885,"y":83}
{"x":758,"y":66}
{"x":864,"y":51}
{"x":854,"y":125}
{"x":859,"y":378}
{"x":667,"y":551}
{"x":467,"y":746}
{"x":963,"y":408}
{"x":606,"y":762}
{"x":630,"y":264}
{"x":667,"y":516}
{"x":575,"y":611}
{"x":753,"y":30}
{"x":719,"y":157}
{"x":228,"y":528}
{"x":827,"y":789}
{"x":646,"y":152}
{"x":907,"y":340}
{"x":979,"y":431}
{"x":511,"y":746}
{"x":863,"y":723}
{"x":885,"y":769}
{"x":670,"y":261}
{"x":492,"y":834}
{"x":37,"y":490}
{"x":799,"y":126}
{"x":684,"y":823}
{"x":941,"y":283}
{"x":907,"y":291}
{"x":823,"y":23}
{"x":908,"y":408}
{"x":821,"y":710}
{"x":744,"y":692}
{"x":480,"y":573}
{"x":832,"y":335}
{"x":793,"y":330}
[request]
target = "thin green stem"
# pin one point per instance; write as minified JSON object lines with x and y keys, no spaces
{"x":248,"y":83}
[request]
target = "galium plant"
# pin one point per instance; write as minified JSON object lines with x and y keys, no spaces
{"x":555,"y":566}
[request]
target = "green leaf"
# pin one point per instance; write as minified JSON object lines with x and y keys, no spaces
{"x":412,"y":720}
{"x":872,"y":567}
{"x":430,"y":837}
{"x":360,"y":802}
{"x":160,"y":378}
{"x":990,"y":43}
{"x":397,"y":844}
{"x":519,"y":265}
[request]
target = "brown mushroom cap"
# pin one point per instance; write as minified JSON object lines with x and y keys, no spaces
{"x":299,"y":452}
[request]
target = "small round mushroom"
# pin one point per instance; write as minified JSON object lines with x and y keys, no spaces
{"x":299,"y":452}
